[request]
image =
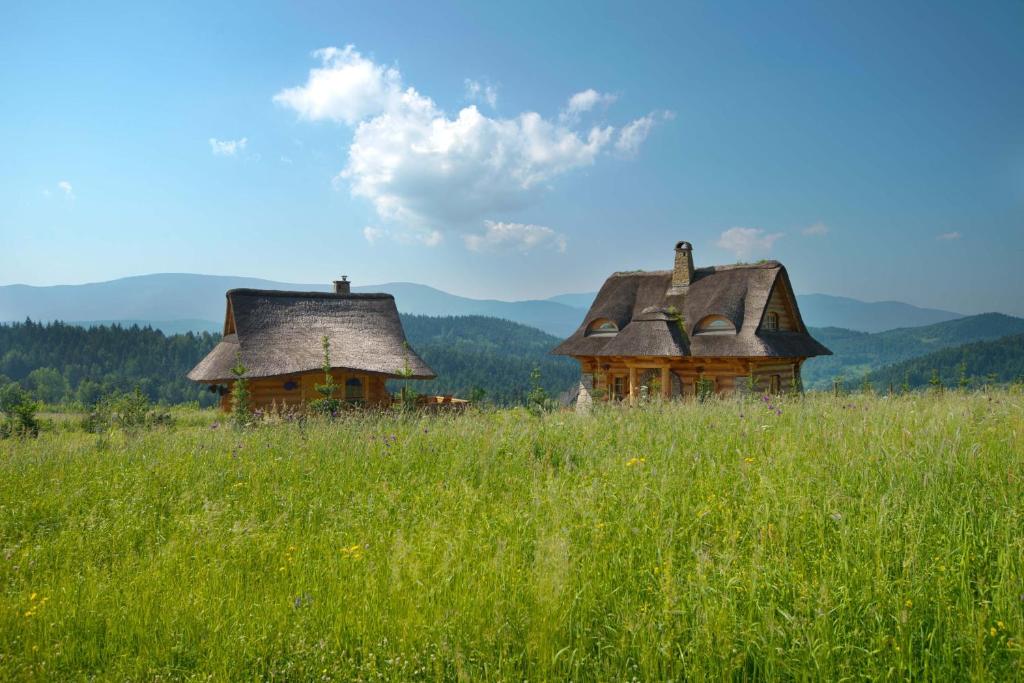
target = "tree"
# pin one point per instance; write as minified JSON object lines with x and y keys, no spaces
{"x":47,"y":385}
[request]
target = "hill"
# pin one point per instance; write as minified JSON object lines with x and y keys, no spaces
{"x":859,"y":353}
{"x":172,"y":301}
{"x":62,"y":362}
{"x":997,"y":361}
{"x":175,"y":302}
{"x":825,"y":310}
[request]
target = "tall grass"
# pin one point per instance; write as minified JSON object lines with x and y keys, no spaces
{"x":820,"y":538}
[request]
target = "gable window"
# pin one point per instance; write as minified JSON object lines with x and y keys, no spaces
{"x":715,"y":324}
{"x":771,"y":321}
{"x":602,"y":327}
{"x":354,"y":389}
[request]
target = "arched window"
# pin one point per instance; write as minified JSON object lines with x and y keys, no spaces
{"x":354,"y":389}
{"x":715,"y":324}
{"x":771,"y":321}
{"x":602,"y":327}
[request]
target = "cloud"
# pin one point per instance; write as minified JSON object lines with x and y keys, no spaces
{"x":427,"y":169}
{"x":428,"y":238}
{"x":818,"y":229}
{"x":347,"y":88}
{"x":518,"y":236}
{"x":65,"y":187}
{"x":584,"y":101}
{"x":227,"y":148}
{"x":745,"y":242}
{"x":949,"y":236}
{"x":477,"y":91}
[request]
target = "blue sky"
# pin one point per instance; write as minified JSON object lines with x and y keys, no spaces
{"x":516,"y":150}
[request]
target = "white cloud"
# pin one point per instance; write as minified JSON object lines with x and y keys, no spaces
{"x":348,"y":87}
{"x":949,"y":236}
{"x":65,"y":187}
{"x":286,"y":160}
{"x":745,"y":242}
{"x":428,"y":238}
{"x":426,"y":169}
{"x":818,"y":229}
{"x":584,"y":101}
{"x":485,"y":92}
{"x":634,"y":133}
{"x":519,"y":236}
{"x":227,"y":148}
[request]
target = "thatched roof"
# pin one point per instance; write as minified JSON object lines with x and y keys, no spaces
{"x":280,"y":333}
{"x":635,"y":300}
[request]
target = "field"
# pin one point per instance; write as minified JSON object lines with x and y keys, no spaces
{"x":823,"y":538}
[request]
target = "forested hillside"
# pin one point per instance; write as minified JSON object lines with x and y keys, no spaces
{"x":987,"y":362}
{"x":489,"y":354}
{"x":60,"y":362}
{"x":858,"y":353}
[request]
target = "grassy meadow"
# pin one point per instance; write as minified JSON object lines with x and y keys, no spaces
{"x":815,"y":538}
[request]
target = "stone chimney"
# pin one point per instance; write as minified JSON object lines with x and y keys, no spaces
{"x":343,"y":286}
{"x":682,"y":271}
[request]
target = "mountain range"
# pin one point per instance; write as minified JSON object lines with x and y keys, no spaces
{"x":177,"y":302}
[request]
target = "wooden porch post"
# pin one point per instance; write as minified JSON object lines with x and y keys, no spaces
{"x":666,"y":383}
{"x":632,"y":384}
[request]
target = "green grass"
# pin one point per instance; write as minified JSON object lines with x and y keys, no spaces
{"x":845,"y":538}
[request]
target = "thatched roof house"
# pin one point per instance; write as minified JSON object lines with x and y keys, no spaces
{"x":278,"y":337}
{"x":724,"y":326}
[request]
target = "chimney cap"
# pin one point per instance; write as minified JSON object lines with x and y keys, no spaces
{"x":684,"y":246}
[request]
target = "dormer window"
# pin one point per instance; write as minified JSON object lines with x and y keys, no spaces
{"x":715,"y":324}
{"x":771,"y":321}
{"x":602,"y":327}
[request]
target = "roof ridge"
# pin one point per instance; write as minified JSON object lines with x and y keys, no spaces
{"x":304,"y":294}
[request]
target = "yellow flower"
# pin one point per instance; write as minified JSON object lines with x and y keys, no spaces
{"x":1001,"y":625}
{"x":992,"y":631}
{"x":635,"y":461}
{"x":32,"y":597}
{"x":908,"y":603}
{"x":748,"y":460}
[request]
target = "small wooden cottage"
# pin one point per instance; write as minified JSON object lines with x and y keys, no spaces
{"x":676,"y":332}
{"x":278,"y":336}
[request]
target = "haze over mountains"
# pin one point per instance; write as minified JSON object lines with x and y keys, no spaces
{"x":177,"y":302}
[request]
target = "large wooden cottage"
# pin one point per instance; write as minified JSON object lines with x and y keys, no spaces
{"x":278,"y":337}
{"x":676,"y":332}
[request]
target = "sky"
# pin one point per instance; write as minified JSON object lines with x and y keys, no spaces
{"x":518,"y":150}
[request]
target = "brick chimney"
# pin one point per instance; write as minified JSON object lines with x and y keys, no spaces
{"x":343,"y":286}
{"x":682,"y":271}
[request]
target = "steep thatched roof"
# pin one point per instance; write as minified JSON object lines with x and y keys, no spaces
{"x":634,"y":301}
{"x":280,"y":333}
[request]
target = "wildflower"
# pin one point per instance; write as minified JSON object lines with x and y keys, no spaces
{"x":908,"y":603}
{"x":1001,"y":625}
{"x":992,"y":631}
{"x":32,"y":597}
{"x":748,"y":460}
{"x":635,"y":461}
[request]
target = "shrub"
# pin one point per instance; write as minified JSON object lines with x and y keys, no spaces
{"x":125,"y":411}
{"x":19,"y":412}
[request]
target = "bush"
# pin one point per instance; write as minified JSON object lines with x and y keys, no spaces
{"x":125,"y":411}
{"x":19,"y":412}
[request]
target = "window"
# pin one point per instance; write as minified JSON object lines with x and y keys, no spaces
{"x":774,"y":384}
{"x":602,"y":327}
{"x":771,"y":321}
{"x":354,"y":389}
{"x":618,"y":388}
{"x":715,"y":324}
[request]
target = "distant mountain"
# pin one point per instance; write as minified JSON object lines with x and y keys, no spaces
{"x":825,"y":310}
{"x":186,"y":301}
{"x":999,"y":361}
{"x":175,"y":302}
{"x":858,"y":353}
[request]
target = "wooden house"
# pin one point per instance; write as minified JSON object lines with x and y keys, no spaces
{"x":278,"y":337}
{"x":676,"y":332}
